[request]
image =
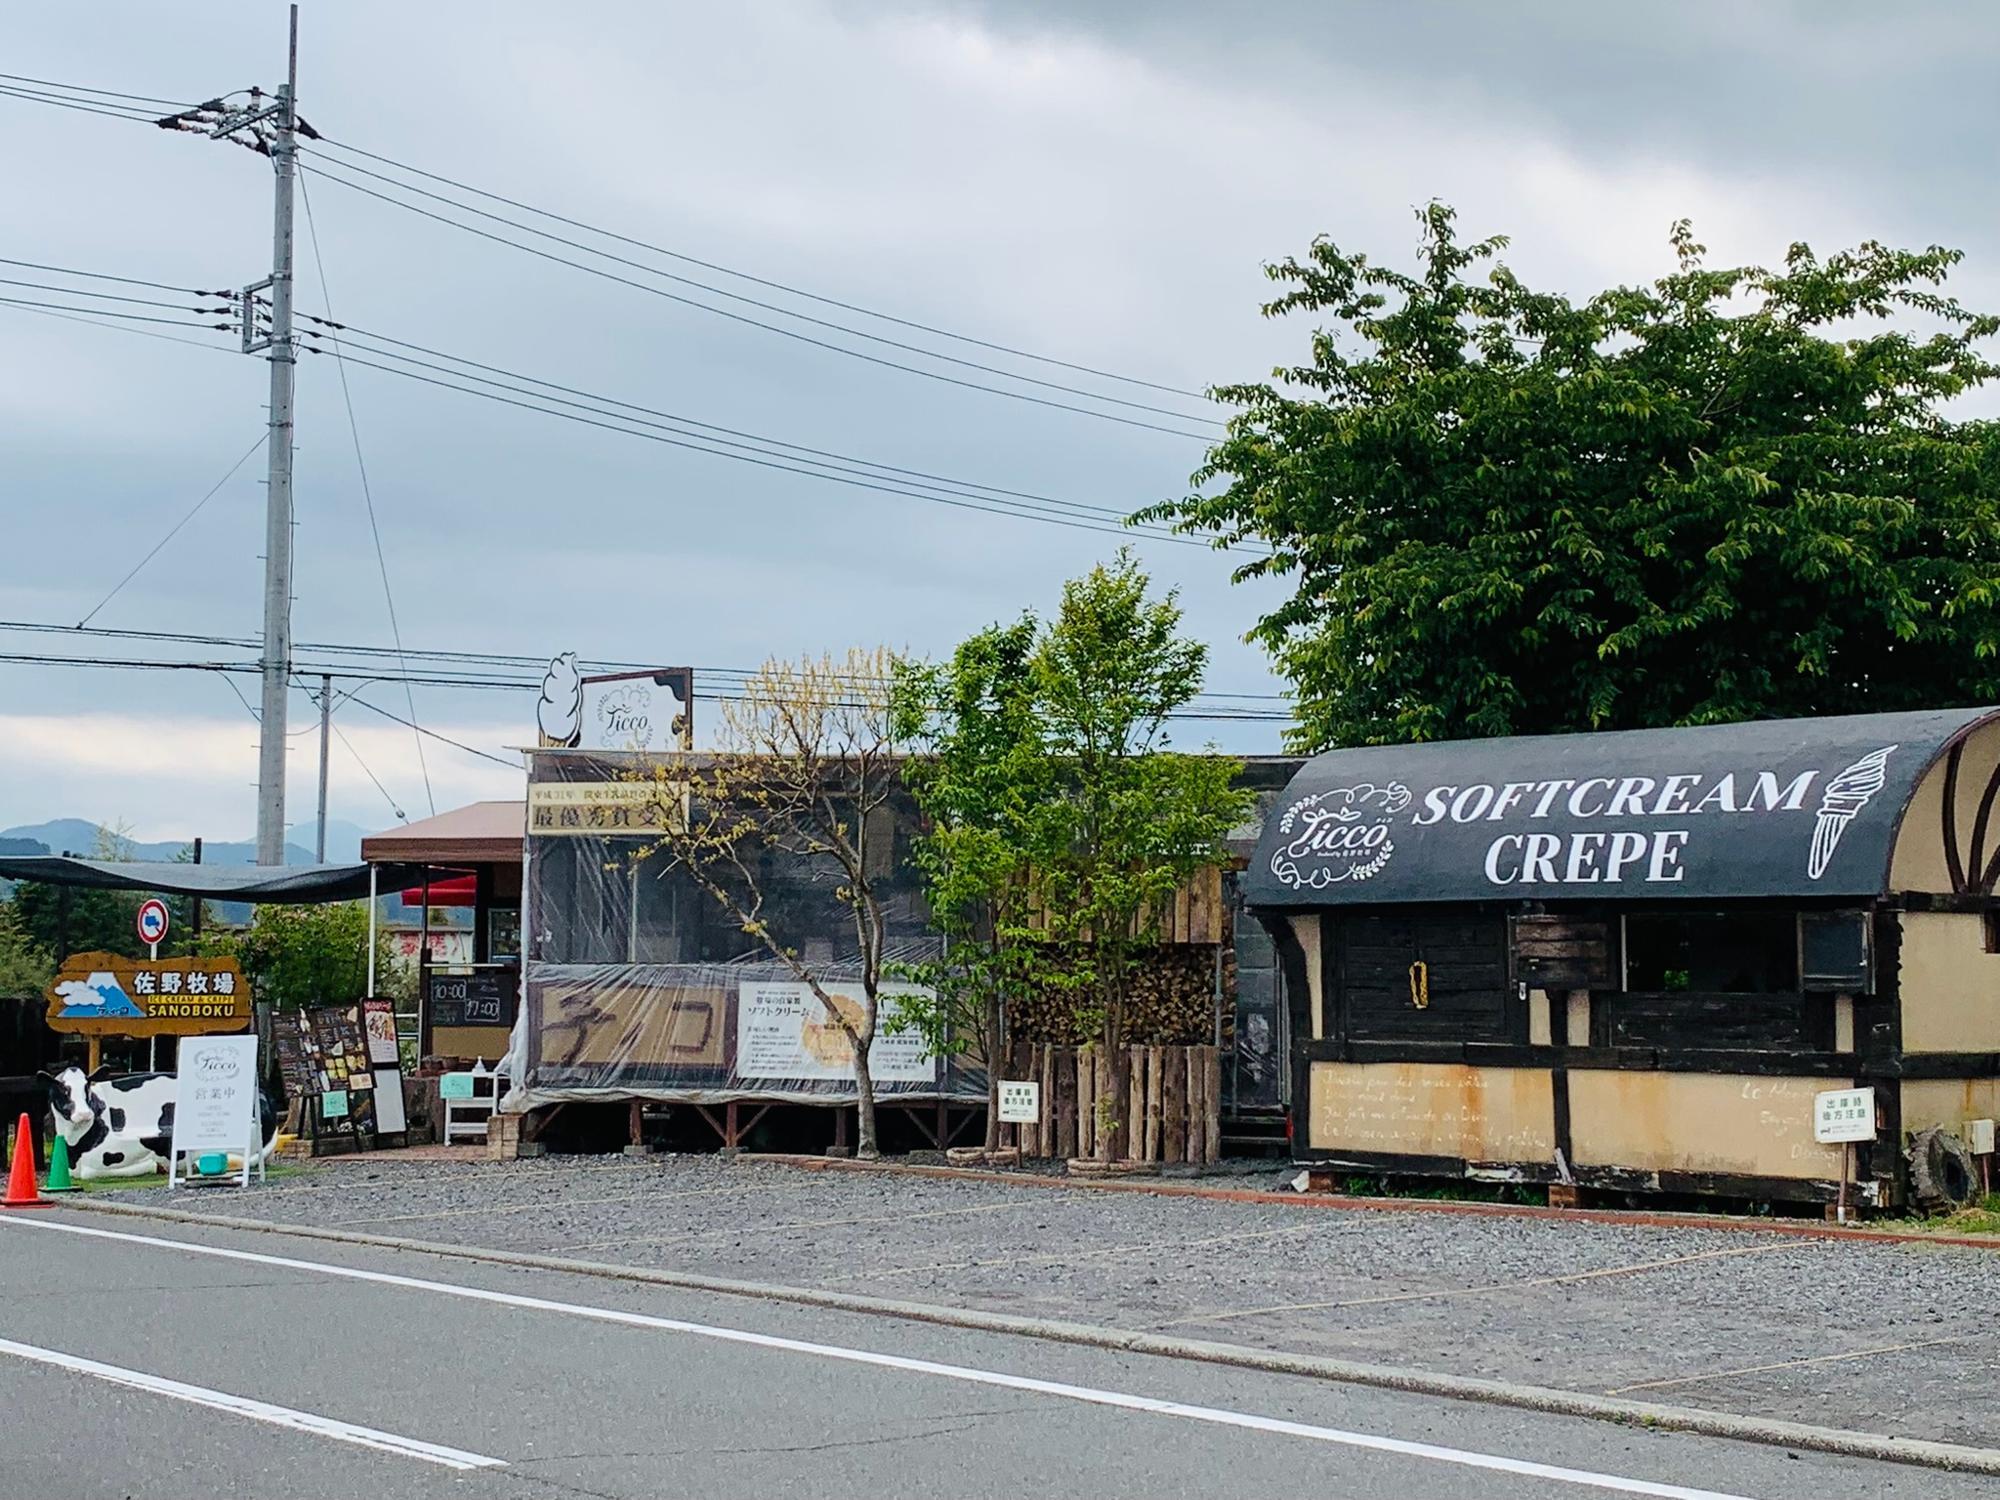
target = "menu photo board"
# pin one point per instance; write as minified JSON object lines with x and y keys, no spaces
{"x":294,"y":1053}
{"x":341,"y":1066}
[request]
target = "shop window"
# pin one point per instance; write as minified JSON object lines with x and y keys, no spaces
{"x":1711,"y":953}
{"x":1834,"y":954}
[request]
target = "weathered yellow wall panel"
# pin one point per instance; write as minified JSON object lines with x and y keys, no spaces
{"x":1432,"y":1109}
{"x":1949,"y":1102}
{"x":1699,"y":1122}
{"x":1950,"y":984}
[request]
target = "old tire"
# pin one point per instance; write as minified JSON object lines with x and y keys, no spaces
{"x":1942,"y":1172}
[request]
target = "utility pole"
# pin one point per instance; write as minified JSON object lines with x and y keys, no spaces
{"x":270,"y":127}
{"x":277,"y":659}
{"x":325,"y":732}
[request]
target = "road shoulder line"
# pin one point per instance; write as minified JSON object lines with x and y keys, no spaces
{"x":1954,"y":1457}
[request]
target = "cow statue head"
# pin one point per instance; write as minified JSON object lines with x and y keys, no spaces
{"x":71,"y":1103}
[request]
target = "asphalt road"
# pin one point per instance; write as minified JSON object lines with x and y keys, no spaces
{"x":172,"y":1361}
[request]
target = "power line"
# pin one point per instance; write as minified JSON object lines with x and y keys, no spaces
{"x":111,"y":111}
{"x":753,"y":438}
{"x":772,"y":307}
{"x":174,"y":532}
{"x":144,"y":333}
{"x":78,"y":88}
{"x":163,"y":286}
{"x":528,"y":681}
{"x":368,"y":495}
{"x":1014,"y":509}
{"x":320,"y":168}
{"x":1028,"y":507}
{"x":709,"y":265}
{"x":359,"y":702}
{"x":106,"y":312}
{"x":472,"y":658}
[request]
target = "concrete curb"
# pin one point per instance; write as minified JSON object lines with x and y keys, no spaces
{"x":1169,"y":1188}
{"x":1953,"y":1457}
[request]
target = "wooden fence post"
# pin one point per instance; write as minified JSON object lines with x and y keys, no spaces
{"x":1214,"y":1114}
{"x":1086,"y":1102}
{"x":1173,"y":1105}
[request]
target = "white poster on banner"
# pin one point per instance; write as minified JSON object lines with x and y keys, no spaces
{"x":215,"y":1108}
{"x":782,"y":1031}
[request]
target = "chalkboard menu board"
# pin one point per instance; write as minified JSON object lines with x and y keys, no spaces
{"x":473,"y":997}
{"x":295,"y":1063}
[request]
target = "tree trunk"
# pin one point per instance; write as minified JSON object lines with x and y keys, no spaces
{"x":866,"y":1146}
{"x":996,"y":1064}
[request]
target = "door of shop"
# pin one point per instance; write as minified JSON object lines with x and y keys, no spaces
{"x":1404,"y":976}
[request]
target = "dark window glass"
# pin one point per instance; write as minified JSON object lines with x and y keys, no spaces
{"x":1711,"y":953}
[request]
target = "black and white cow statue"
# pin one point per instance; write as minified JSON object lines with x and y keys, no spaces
{"x":124,"y":1126}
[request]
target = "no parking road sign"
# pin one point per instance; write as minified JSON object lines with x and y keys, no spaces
{"x":152,"y":922}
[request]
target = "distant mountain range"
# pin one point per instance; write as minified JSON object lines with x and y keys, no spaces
{"x":80,"y":836}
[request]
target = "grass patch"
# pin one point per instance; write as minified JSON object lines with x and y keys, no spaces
{"x":159,"y":1180}
{"x":1980,"y":1217}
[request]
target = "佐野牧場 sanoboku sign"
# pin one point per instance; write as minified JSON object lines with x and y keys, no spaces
{"x":1784,"y":807}
{"x":108,"y":995}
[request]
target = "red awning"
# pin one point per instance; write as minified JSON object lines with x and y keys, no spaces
{"x":452,"y":890}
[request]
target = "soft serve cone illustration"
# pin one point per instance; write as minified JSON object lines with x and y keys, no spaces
{"x":1846,"y":794}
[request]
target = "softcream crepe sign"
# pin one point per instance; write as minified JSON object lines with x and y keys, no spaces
{"x":1349,"y":833}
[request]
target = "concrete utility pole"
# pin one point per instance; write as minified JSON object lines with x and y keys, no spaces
{"x":325,"y":732}
{"x":272,"y":127}
{"x":277,"y":659}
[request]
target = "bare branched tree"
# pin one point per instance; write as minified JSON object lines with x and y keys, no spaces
{"x":803,"y":762}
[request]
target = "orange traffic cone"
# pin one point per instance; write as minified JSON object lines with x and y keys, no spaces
{"x":21,"y":1177}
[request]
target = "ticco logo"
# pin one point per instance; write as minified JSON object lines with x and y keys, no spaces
{"x":1338,"y":835}
{"x":1551,"y":831}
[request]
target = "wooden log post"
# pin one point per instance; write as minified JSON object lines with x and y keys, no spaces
{"x":1154,"y":1083}
{"x":1173,"y":1105}
{"x":1135,"y":1104}
{"x":1197,"y":1090}
{"x":1086,"y":1101}
{"x":1213,"y":1120}
{"x":1062,"y":1072}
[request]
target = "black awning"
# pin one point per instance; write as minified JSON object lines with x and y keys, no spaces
{"x":283,"y":884}
{"x":1784,"y":807}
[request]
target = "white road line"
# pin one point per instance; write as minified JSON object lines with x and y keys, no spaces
{"x":1465,"y":1458}
{"x":257,"y":1411}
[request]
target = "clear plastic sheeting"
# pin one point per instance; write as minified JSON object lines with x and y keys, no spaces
{"x":708,"y":1033}
{"x":637,"y":984}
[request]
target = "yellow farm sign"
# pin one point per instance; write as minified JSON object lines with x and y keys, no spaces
{"x":103,"y":994}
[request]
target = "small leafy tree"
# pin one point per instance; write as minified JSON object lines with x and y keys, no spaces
{"x":25,"y":966}
{"x":297,"y":956}
{"x":1127,"y":821}
{"x":804,"y":765}
{"x":1732,"y":493}
{"x":81,"y":919}
{"x":981,"y":778}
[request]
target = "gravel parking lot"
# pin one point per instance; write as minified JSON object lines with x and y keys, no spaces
{"x":1890,"y":1338}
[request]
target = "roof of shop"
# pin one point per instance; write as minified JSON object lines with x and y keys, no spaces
{"x":1784,"y":807}
{"x":480,"y":833}
{"x":277,"y":884}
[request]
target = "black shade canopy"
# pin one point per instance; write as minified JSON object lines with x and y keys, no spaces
{"x":292,"y":884}
{"x":1786,"y":807}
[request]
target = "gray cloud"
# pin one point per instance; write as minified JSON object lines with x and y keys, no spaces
{"x":1102,"y":189}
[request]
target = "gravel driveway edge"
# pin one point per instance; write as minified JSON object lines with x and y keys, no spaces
{"x":1171,"y":1188}
{"x":1953,"y":1457}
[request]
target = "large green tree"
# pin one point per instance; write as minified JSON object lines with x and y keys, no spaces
{"x":1128,"y":821}
{"x":982,"y":780}
{"x":1731,"y":493}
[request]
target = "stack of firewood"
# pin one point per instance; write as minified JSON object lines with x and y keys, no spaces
{"x":1171,"y":999}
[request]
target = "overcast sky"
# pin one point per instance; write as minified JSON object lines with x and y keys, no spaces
{"x":1100,"y":184}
